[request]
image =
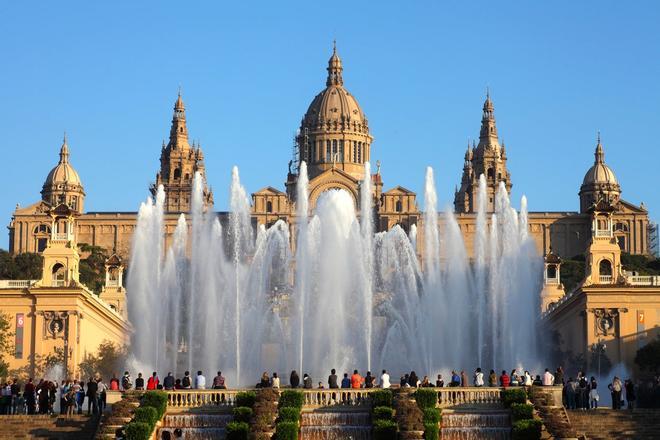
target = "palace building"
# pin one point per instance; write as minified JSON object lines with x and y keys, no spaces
{"x":335,"y":141}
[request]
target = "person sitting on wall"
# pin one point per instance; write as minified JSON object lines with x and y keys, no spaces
{"x":294,"y":379}
{"x":168,"y":382}
{"x":139,"y":382}
{"x":346,"y":382}
{"x":186,"y":382}
{"x":505,"y":380}
{"x":153,"y":381}
{"x":219,"y":382}
{"x":332,"y":379}
{"x":307,"y":382}
{"x":439,"y":382}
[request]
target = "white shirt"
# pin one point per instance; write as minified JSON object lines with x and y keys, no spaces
{"x":479,"y":379}
{"x":528,"y":380}
{"x":385,"y":381}
{"x":200,"y":382}
{"x":276,"y":382}
{"x":548,"y":379}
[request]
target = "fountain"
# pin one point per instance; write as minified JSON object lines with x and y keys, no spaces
{"x":335,"y":294}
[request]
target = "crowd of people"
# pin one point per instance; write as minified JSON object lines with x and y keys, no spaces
{"x":578,"y":393}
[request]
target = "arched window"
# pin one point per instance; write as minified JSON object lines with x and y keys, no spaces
{"x":328,"y":151}
{"x":269,"y":206}
{"x":398,"y":207}
{"x":187,"y":176}
{"x":59,"y":274}
{"x":359,"y":153}
{"x":181,"y":130}
{"x":551,"y":272}
{"x":605,"y":268}
{"x":74,"y":202}
{"x":490,"y":173}
{"x":177,"y":174}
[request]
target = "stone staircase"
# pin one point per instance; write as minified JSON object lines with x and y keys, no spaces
{"x":331,"y":425}
{"x":78,"y":427}
{"x":606,"y":424}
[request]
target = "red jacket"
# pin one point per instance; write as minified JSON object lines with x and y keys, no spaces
{"x":152,"y":383}
{"x":505,"y":381}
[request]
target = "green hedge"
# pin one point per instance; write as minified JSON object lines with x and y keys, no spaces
{"x":146,"y":414}
{"x":289,"y":414}
{"x":291,"y":398}
{"x":242,"y":414}
{"x":155,"y":399}
{"x":514,"y":395}
{"x":237,"y":430}
{"x":245,"y":398}
{"x":138,"y":431}
{"x":431,"y":431}
{"x":431,"y":415}
{"x":382,"y":413}
{"x":426,"y":398}
{"x":522,"y":411}
{"x":382,"y":398}
{"x":526,"y":430}
{"x":286,"y":431}
{"x":385,"y":430}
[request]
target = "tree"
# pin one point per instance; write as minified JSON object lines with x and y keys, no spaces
{"x":25,"y":266}
{"x":92,"y":268}
{"x":648,"y":357}
{"x":108,"y":359}
{"x":6,"y":345}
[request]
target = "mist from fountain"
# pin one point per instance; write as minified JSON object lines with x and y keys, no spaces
{"x":215,"y":296}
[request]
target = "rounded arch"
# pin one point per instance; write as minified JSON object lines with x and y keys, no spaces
{"x":605,"y":267}
{"x":318,"y":190}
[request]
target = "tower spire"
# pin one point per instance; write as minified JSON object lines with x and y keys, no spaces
{"x":599,"y":154}
{"x":64,"y":151}
{"x":488,"y":133}
{"x":334,"y":68}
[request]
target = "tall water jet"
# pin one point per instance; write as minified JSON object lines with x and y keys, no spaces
{"x":302,"y":269}
{"x":480,"y":250}
{"x":367,"y":229}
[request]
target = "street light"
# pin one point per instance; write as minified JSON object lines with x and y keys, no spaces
{"x":599,"y":348}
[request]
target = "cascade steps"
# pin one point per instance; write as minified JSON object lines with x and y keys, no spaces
{"x":601,"y":424}
{"x":55,"y":427}
{"x":198,"y":426}
{"x":335,"y":425}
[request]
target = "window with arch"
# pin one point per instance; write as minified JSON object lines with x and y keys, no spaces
{"x":398,"y":206}
{"x":605,"y":268}
{"x":328,"y":151}
{"x":621,"y":227}
{"x":181,"y":130}
{"x":490,"y":173}
{"x":187,"y":177}
{"x":269,"y":206}
{"x":42,"y":229}
{"x":177,"y":173}
{"x":551,"y":271}
{"x":59,"y":274}
{"x":74,"y":202}
{"x":359,"y":153}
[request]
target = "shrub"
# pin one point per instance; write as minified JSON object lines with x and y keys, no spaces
{"x":138,"y":431}
{"x":382,"y":398}
{"x":431,"y":415}
{"x":146,"y":414}
{"x":289,"y":414}
{"x":383,"y":413}
{"x":237,"y":430}
{"x":522,"y":411}
{"x":426,"y":398}
{"x":526,"y":430}
{"x":155,"y":399}
{"x":431,"y":431}
{"x":242,"y":414}
{"x":384,"y":430}
{"x":286,"y":431}
{"x":291,"y":398}
{"x":246,"y":398}
{"x":514,"y":395}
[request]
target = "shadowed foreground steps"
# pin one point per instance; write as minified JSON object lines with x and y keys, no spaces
{"x":77,"y":427}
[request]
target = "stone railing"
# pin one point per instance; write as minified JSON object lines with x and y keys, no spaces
{"x":15,"y":284}
{"x":340,"y":396}
{"x":455,"y":396}
{"x":605,"y":279}
{"x":603,"y":233}
{"x":198,"y":398}
{"x":637,"y":280}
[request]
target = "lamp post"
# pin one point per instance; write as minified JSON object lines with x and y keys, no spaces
{"x":598,"y":347}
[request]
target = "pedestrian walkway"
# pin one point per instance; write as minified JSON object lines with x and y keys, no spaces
{"x":77,"y":427}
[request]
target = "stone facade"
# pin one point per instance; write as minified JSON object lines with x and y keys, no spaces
{"x":335,"y":141}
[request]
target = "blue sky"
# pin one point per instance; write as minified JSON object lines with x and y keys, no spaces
{"x":108,"y":74}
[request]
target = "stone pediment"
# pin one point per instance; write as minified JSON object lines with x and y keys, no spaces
{"x":399,"y":190}
{"x":334,"y":178}
{"x":269,"y":191}
{"x":626,"y":207}
{"x":39,"y":207}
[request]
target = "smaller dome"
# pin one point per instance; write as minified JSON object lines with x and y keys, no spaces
{"x":63,"y":173}
{"x":599,"y":173}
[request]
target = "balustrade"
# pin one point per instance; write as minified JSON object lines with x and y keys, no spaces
{"x":197,"y":398}
{"x":15,"y":284}
{"x":605,"y":279}
{"x":454,"y":396}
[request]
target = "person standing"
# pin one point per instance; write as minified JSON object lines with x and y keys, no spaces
{"x":139,"y":382}
{"x":80,"y":398}
{"x":168,"y":382}
{"x":29,"y":396}
{"x":505,"y":380}
{"x":100,"y":391}
{"x":186,"y":382}
{"x":615,"y":388}
{"x":569,"y":388}
{"x":385,"y":380}
{"x":548,"y":378}
{"x":219,"y":382}
{"x":275,"y":381}
{"x":593,"y":393}
{"x":294,"y":379}
{"x":332,"y":379}
{"x":559,"y":376}
{"x":15,"y":395}
{"x":630,"y":394}
{"x":200,"y":381}
{"x":356,"y":380}
{"x":114,"y":383}
{"x":478,"y":378}
{"x":152,"y":382}
{"x":92,"y":397}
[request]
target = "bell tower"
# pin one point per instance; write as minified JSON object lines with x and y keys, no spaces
{"x":61,"y":260}
{"x":179,"y":161}
{"x":487,"y":158}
